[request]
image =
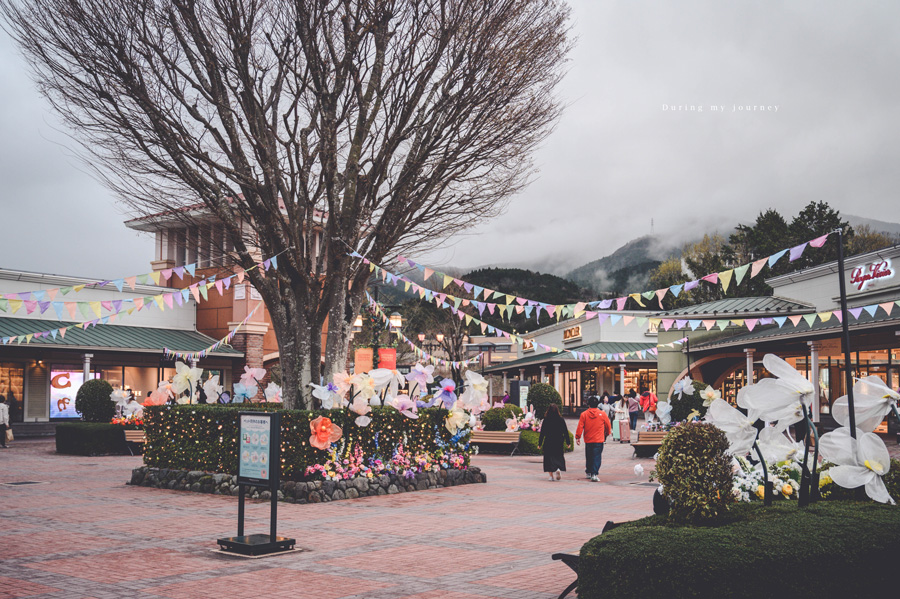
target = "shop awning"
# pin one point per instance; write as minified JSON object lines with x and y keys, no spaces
{"x":741,"y":307}
{"x":540,"y":358}
{"x":111,"y":337}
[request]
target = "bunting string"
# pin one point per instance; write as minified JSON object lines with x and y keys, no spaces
{"x":194,"y":356}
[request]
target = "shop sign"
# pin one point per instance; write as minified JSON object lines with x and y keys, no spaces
{"x":64,"y":386}
{"x":527,"y":345}
{"x":572,"y":333}
{"x":387,"y":358}
{"x":861,"y":276}
{"x":362,"y":360}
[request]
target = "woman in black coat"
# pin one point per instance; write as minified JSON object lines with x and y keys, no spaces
{"x":554,"y":434}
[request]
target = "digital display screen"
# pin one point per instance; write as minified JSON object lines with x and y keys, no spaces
{"x":64,"y":386}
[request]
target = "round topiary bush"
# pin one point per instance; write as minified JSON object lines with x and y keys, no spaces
{"x":695,"y":472}
{"x":683,"y":405}
{"x":495,"y":418}
{"x":541,"y":395}
{"x":528,"y":443}
{"x":93,"y":403}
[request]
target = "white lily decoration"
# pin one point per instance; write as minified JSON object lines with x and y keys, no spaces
{"x":390,"y":379}
{"x":777,"y":447}
{"x":664,"y":412}
{"x":363,"y":386}
{"x":404,"y":405}
{"x":456,"y":419}
{"x":273,"y":393}
{"x":872,"y":401}
{"x":361,"y":406}
{"x":477,"y":383}
{"x":185,"y":377}
{"x":860,"y":462}
{"x":327,"y":394}
{"x":685,"y":385}
{"x":738,"y":428}
{"x":709,"y":395}
{"x":777,"y":399}
{"x":212,"y":389}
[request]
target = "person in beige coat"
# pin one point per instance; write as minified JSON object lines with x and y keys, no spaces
{"x":4,"y":420}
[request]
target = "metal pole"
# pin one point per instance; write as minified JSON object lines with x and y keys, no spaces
{"x":240,"y":510}
{"x":845,"y":339}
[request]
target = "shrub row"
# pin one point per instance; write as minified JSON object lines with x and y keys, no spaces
{"x":90,"y":438}
{"x":528,"y":443}
{"x":204,"y":437}
{"x":828,"y":549}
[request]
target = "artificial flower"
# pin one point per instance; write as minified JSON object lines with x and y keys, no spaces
{"x":363,"y":386}
{"x":252,"y":375}
{"x":738,"y":428}
{"x":324,"y":432}
{"x":709,"y":395}
{"x":455,"y":420}
{"x":326,"y":394}
{"x":404,"y":405}
{"x":512,"y":425}
{"x":447,"y":393}
{"x":212,"y":389}
{"x":860,"y":462}
{"x":777,"y":447}
{"x":244,"y":392}
{"x":422,"y":376}
{"x":185,"y":377}
{"x":118,"y":396}
{"x":386,"y":378}
{"x":872,"y":401}
{"x":685,"y":385}
{"x":664,"y":412}
{"x":477,"y":383}
{"x":273,"y":393}
{"x":342,"y":381}
{"x":361,"y":407}
{"x":161,"y":396}
{"x":781,"y":399}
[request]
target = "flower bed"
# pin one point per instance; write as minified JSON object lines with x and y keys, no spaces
{"x":317,"y":491}
{"x":828,"y":549}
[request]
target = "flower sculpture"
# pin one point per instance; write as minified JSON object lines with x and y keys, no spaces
{"x":872,"y":401}
{"x":361,"y":407}
{"x":860,"y":462}
{"x":363,"y":386}
{"x":385,"y":378}
{"x":685,"y":385}
{"x":324,"y":432}
{"x":455,"y":420}
{"x":161,"y":396}
{"x":327,"y":394}
{"x":422,"y":376}
{"x":244,"y":392}
{"x":780,"y":399}
{"x":212,"y":389}
{"x":738,"y":428}
{"x":342,"y":381}
{"x":273,"y":393}
{"x":709,"y":395}
{"x":404,"y":405}
{"x":475,"y":395}
{"x":252,"y":375}
{"x":777,"y":447}
{"x":512,"y":424}
{"x":664,"y":412}
{"x":186,"y":378}
{"x":447,"y":393}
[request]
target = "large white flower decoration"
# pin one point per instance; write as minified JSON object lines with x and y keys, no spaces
{"x":709,"y":395}
{"x":664,"y":412}
{"x":388,"y":379}
{"x":872,"y":401}
{"x":273,"y":393}
{"x":685,"y":385}
{"x":860,"y":462}
{"x":777,"y":447}
{"x":456,"y":419}
{"x":327,"y":394}
{"x":363,"y":386}
{"x":361,"y":406}
{"x":212,"y":389}
{"x":421,"y":376}
{"x":779,"y":399}
{"x":185,"y":377}
{"x":738,"y":428}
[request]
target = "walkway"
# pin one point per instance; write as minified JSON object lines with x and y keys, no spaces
{"x":83,"y":533}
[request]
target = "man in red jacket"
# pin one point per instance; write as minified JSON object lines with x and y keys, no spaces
{"x":596,"y":426}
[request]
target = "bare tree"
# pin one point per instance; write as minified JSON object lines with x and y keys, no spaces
{"x":385,"y":124}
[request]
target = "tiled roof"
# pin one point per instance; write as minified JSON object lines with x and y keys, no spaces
{"x":108,"y":336}
{"x":600,"y":347}
{"x":743,"y":306}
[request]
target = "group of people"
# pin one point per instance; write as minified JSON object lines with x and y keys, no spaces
{"x":606,"y":415}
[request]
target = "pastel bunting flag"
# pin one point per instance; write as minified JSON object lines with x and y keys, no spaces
{"x":810,"y":319}
{"x":819,"y":241}
{"x":796,"y":252}
{"x":757,"y":266}
{"x":191,"y":268}
{"x":725,"y":278}
{"x":131,"y":281}
{"x":776,"y":257}
{"x":855,"y":312}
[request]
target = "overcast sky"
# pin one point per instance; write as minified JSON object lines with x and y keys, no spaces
{"x":825,"y":74}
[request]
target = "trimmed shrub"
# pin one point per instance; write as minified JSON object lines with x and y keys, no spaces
{"x":528,"y":443}
{"x":541,"y":395}
{"x":695,"y":472}
{"x":685,"y":404}
{"x":495,"y":418}
{"x":827,"y":549}
{"x":892,"y":480}
{"x":93,"y":403}
{"x":90,"y":438}
{"x":204,"y":437}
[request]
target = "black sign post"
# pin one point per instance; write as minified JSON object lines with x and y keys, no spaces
{"x":259,"y":465}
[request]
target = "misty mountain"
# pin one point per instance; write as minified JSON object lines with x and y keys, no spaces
{"x":876,"y":225}
{"x":629,"y":267}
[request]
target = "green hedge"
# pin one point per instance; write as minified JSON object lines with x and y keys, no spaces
{"x":495,"y":418}
{"x":528,"y":443}
{"x":204,"y":437}
{"x":541,"y":395}
{"x":90,"y":438}
{"x":828,"y":549}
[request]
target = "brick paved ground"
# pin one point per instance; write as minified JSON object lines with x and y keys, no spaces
{"x":86,"y":534}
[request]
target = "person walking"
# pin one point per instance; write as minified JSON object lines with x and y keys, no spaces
{"x":595,"y":425}
{"x":634,"y":408}
{"x":4,"y":420}
{"x":552,"y":440}
{"x":622,"y":421}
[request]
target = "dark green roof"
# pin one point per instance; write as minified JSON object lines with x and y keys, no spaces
{"x":112,"y":336}
{"x":600,"y":347}
{"x":742,"y":306}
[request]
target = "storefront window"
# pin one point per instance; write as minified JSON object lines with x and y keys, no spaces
{"x":12,"y":387}
{"x":141,"y":380}
{"x":113,"y":376}
{"x":65,"y":381}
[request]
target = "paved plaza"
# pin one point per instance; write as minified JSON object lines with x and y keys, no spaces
{"x":82,"y":532}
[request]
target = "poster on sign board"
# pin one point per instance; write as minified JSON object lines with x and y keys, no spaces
{"x":256,"y":449}
{"x":64,"y":386}
{"x":363,"y":360}
{"x":387,"y":358}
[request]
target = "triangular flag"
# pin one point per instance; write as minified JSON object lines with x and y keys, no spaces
{"x":712,"y":277}
{"x":810,"y":319}
{"x":887,"y":307}
{"x":119,"y":283}
{"x":166,"y":273}
{"x":725,"y":278}
{"x":825,"y":316}
{"x":130,"y":281}
{"x":139,"y":303}
{"x":722,"y":324}
{"x":776,"y":257}
{"x":795,"y":319}
{"x":750,"y":323}
{"x":78,"y":288}
{"x":819,"y":241}
{"x":51,"y":293}
{"x":191,"y":268}
{"x":179,"y":272}
{"x":71,"y":307}
{"x":871,"y":309}
{"x":637,"y":297}
{"x":757,"y":266}
{"x":62,"y":332}
{"x":30,"y":306}
{"x":839,"y":315}
{"x":85,"y":308}
{"x":219,"y":287}
{"x":739,"y":273}
{"x":447,"y":280}
{"x":428,"y":272}
{"x":65,"y":290}
{"x":660,"y":294}
{"x":676,"y":289}
{"x":95,"y":306}
{"x":57,"y":307}
{"x":797,"y":251}
{"x":107,"y":305}
{"x":155,"y":276}
{"x":855,"y":312}
{"x":780,"y":320}
{"x":170,"y":299}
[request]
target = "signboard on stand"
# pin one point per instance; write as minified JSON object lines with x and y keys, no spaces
{"x":518,"y":393}
{"x":256,"y":448}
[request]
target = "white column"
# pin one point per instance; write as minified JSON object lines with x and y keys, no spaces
{"x":521,"y":375}
{"x":505,"y":384}
{"x":556,"y":380}
{"x":749,"y":352}
{"x":814,"y":347}
{"x":543,"y":374}
{"x":622,"y":380}
{"x":87,"y":366}
{"x":491,"y":387}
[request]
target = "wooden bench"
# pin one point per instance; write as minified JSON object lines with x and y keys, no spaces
{"x":648,"y":443}
{"x":571,"y":560}
{"x":496,"y":437}
{"x":134,"y":436}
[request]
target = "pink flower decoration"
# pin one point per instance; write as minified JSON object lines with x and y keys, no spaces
{"x":324,"y":432}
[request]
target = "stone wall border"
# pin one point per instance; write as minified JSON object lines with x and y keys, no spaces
{"x":304,"y":492}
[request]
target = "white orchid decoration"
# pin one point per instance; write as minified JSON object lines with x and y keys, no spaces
{"x":861,"y":462}
{"x":212,"y":389}
{"x":781,"y":399}
{"x":872,"y":401}
{"x":737,"y":427}
{"x":685,"y":385}
{"x":777,"y":447}
{"x":186,"y":378}
{"x":709,"y":395}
